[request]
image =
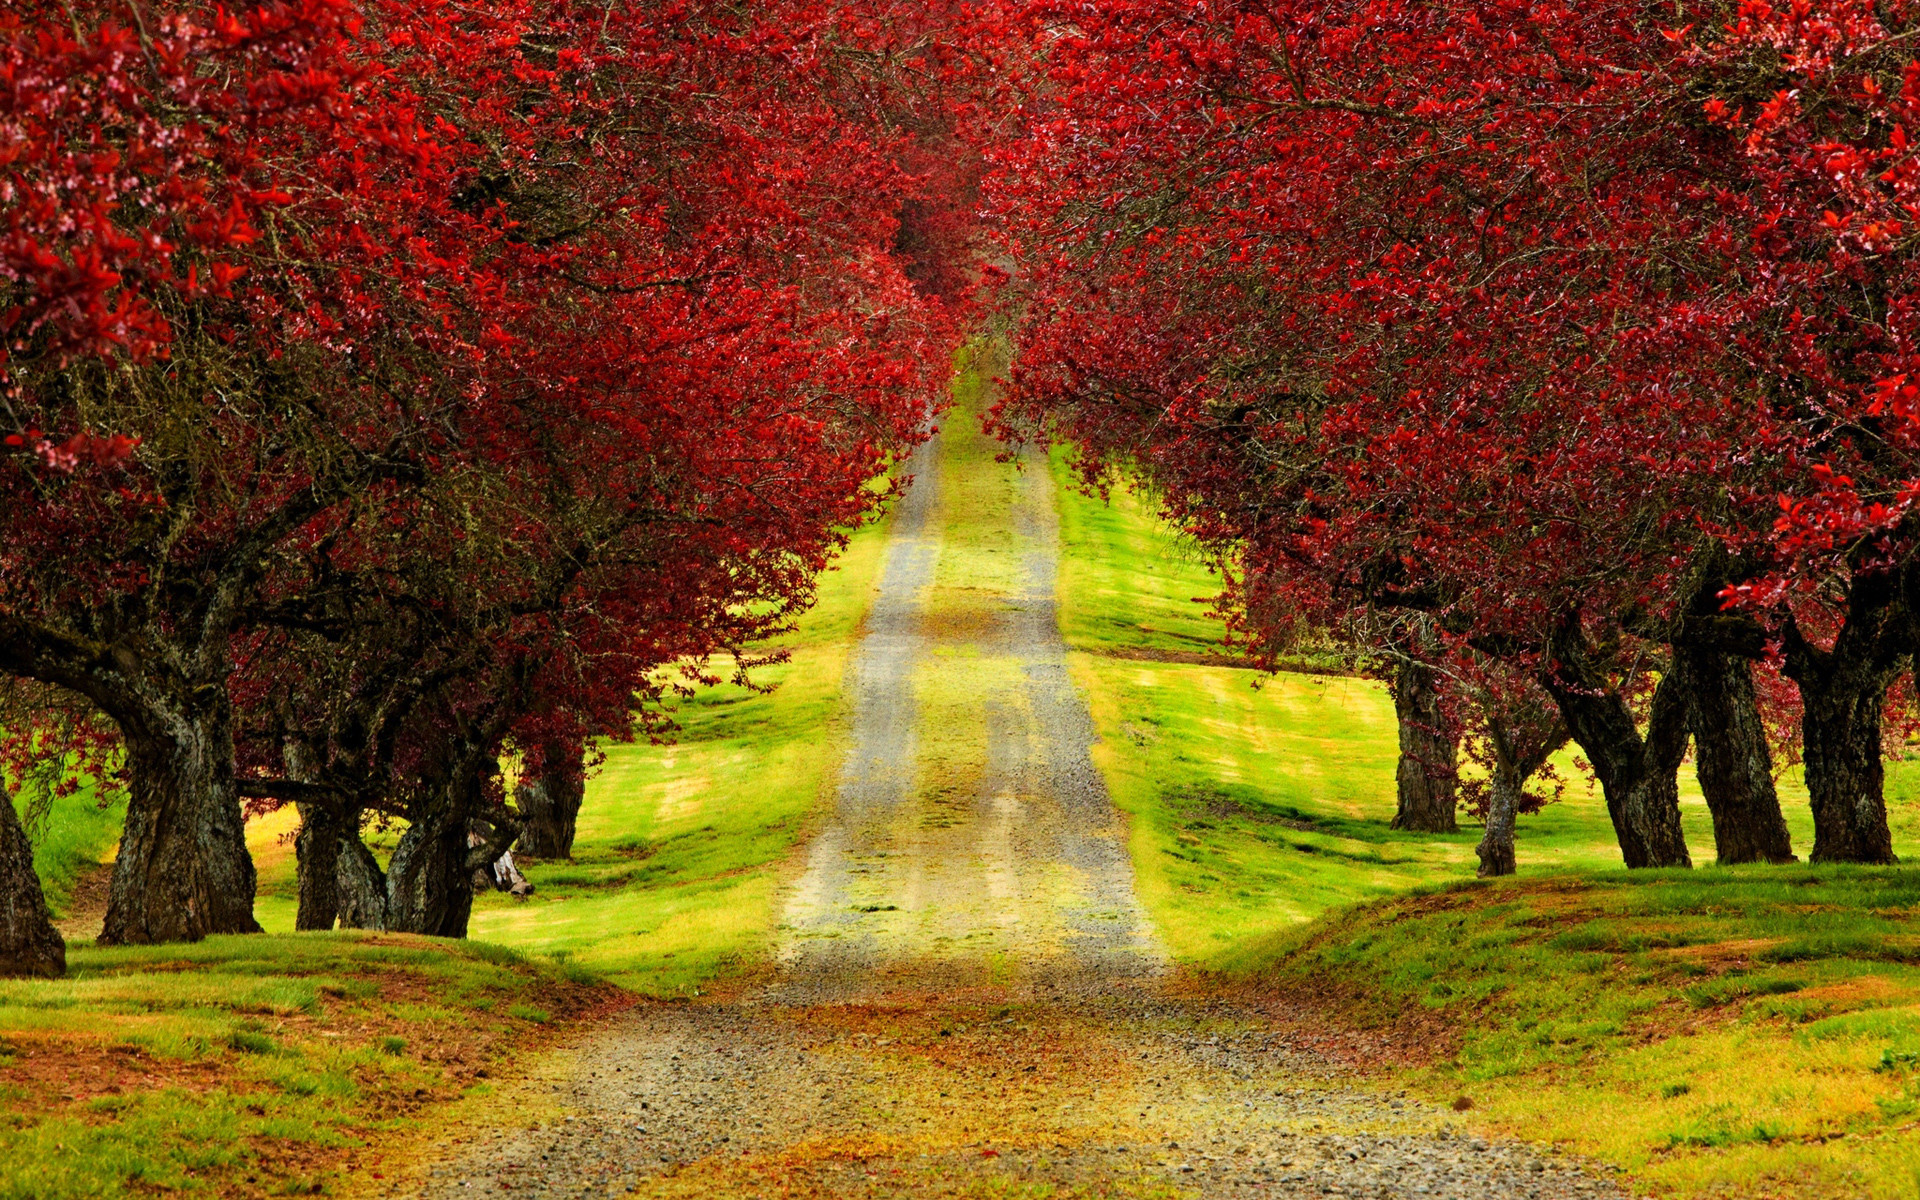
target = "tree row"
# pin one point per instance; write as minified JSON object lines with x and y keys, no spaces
{"x":1556,"y":359}
{"x":398,"y":396}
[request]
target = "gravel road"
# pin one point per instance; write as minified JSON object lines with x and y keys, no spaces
{"x":969,"y":1001}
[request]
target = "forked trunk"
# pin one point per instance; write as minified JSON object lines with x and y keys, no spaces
{"x":29,"y":944}
{"x":1651,"y":812}
{"x":361,"y":886}
{"x":183,"y":870}
{"x":1428,"y":748}
{"x":551,"y":809}
{"x":1731,"y":757}
{"x":1638,"y":775}
{"x":429,"y":884}
{"x":1841,"y":694}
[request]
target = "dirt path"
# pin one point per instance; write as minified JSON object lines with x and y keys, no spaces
{"x":969,"y":1001}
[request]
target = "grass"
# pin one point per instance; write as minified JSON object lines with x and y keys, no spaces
{"x":1748,"y":1031}
{"x":1126,"y":587}
{"x":251,"y":1066}
{"x":70,"y":840}
{"x":676,"y":862}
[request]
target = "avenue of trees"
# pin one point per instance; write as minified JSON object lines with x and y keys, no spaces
{"x":1559,"y":358}
{"x":391,"y":387}
{"x":399,"y":398}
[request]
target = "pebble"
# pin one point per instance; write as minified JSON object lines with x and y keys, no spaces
{"x":1249,"y":1113}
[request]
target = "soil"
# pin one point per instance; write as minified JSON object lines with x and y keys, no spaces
{"x":87,"y":906}
{"x":968,"y":1000}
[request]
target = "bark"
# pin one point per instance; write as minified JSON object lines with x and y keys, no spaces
{"x":1731,"y":756}
{"x":29,"y":944}
{"x":1427,"y":753}
{"x":1503,"y":806}
{"x":317,"y":854}
{"x":361,"y":885}
{"x":1638,"y":775}
{"x":1845,"y":779}
{"x":183,"y":870}
{"x":316,"y":849}
{"x":550,"y":808}
{"x":1515,"y":759}
{"x":1841,"y":694}
{"x":429,"y":881}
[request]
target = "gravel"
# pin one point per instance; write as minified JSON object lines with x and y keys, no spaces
{"x":973,"y":1004}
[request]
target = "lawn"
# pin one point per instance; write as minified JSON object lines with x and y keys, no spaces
{"x":1750,"y":1031}
{"x":256,"y":1065}
{"x":678,"y":858}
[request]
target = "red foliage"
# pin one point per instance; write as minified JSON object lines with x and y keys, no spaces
{"x":547,"y":342}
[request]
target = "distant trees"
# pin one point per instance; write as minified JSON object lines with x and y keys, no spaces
{"x":1520,"y":320}
{"x":388,"y":385}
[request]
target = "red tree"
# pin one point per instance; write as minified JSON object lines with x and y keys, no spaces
{"x":600,"y":289}
{"x":1425,"y":309}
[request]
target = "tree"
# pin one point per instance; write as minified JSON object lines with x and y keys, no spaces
{"x":48,"y":749}
{"x":1481,"y":315}
{"x":411,"y":254}
{"x":139,"y":506}
{"x":1427,"y":776}
{"x":674,"y":504}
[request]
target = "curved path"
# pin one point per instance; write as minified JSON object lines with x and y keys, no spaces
{"x":968,"y":1000}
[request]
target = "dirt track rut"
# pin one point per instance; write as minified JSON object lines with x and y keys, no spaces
{"x":968,"y":999}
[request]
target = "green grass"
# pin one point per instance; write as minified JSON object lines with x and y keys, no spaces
{"x":1259,"y":801}
{"x":71,"y":839}
{"x":1750,"y":1031}
{"x":677,"y":859}
{"x":249,"y":1066}
{"x":1125,"y":585}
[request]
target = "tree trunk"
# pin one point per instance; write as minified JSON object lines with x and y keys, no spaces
{"x":361,"y":886}
{"x":183,"y":870}
{"x":1428,"y":750}
{"x":429,"y":884}
{"x":430,"y":879}
{"x":29,"y":944}
{"x":1652,"y":811}
{"x":1639,"y":776}
{"x":1503,"y":805}
{"x":551,"y":809}
{"x":1840,"y":723}
{"x":317,"y":860}
{"x":1841,"y":693}
{"x":1731,"y":757}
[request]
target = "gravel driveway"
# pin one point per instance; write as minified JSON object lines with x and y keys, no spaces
{"x":969,"y":1001}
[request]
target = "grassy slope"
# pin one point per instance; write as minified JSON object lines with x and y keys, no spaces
{"x":672,"y":882}
{"x":250,"y":1066}
{"x":74,"y":837}
{"x":1743,"y":1032}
